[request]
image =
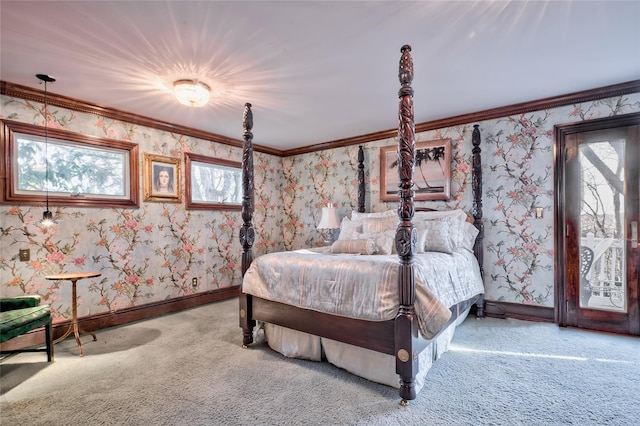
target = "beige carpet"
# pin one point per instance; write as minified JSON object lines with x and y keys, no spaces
{"x":188,"y":368}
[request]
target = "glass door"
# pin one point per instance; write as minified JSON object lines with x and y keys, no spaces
{"x":601,"y":203}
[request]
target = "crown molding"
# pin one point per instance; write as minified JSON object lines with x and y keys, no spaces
{"x":35,"y":95}
{"x":489,"y":114}
{"x":24,"y":92}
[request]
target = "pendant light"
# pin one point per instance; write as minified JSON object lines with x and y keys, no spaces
{"x":47,"y":216}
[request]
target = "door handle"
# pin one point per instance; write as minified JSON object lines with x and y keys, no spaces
{"x":634,"y":234}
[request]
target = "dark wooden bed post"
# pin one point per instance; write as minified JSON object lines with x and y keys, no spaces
{"x":361,"y":187}
{"x":476,"y":184}
{"x":406,"y":235}
{"x":247,"y":233}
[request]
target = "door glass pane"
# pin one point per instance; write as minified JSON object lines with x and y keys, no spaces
{"x":602,"y":275}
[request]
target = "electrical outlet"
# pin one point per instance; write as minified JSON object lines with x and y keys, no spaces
{"x":25,"y":255}
{"x":194,"y":282}
{"x":539,"y":212}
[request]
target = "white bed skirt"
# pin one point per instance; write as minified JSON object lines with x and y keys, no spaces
{"x":371,"y":365}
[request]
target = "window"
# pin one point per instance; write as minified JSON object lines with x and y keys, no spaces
{"x":74,"y":169}
{"x":212,"y":183}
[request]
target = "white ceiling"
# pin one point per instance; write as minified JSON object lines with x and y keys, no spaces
{"x":317,"y":71}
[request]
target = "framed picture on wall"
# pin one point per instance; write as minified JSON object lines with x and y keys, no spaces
{"x":432,"y":174}
{"x":161,"y":178}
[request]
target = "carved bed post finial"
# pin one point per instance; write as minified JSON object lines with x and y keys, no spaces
{"x":406,"y":236}
{"x":247,"y":233}
{"x":361,"y":188}
{"x":405,"y":73}
{"x":476,"y":185}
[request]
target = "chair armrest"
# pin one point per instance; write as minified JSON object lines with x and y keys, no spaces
{"x":11,"y":303}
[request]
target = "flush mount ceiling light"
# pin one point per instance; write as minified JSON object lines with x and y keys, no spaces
{"x":191,"y":92}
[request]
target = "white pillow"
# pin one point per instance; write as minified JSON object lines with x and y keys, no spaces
{"x":356,"y":215}
{"x":456,"y":218}
{"x":379,"y":224}
{"x":431,"y":214}
{"x":451,"y":225}
{"x":348,"y":228}
{"x":470,"y":232}
{"x":434,"y":235}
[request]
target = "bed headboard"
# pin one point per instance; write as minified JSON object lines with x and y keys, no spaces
{"x":361,"y":187}
{"x":476,"y":189}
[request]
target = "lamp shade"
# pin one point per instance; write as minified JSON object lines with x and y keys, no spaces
{"x":191,"y":92}
{"x":329,"y":218}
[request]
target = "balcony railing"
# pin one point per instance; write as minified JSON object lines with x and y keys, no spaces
{"x":605,"y":276}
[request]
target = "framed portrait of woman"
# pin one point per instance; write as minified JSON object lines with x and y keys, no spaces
{"x":161,"y":179}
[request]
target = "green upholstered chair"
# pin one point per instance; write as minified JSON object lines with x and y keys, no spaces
{"x":19,"y":315}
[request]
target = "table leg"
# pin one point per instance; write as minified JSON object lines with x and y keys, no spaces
{"x":74,"y":327}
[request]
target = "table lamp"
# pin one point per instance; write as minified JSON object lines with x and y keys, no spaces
{"x":329,"y":221}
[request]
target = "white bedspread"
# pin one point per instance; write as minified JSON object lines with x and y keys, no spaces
{"x":365,"y":287}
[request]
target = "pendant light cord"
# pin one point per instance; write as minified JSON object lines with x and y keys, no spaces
{"x":46,"y":145}
{"x":47,"y":216}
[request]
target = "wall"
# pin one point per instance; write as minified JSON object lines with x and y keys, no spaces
{"x":517,"y":154}
{"x":150,"y":254}
{"x":145,"y":255}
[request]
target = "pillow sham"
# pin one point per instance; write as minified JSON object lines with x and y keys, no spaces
{"x":457,"y":213}
{"x":445,"y":222}
{"x":379,"y":224}
{"x":456,"y":219}
{"x":357,"y":215}
{"x":470,"y":232}
{"x":361,"y":246}
{"x":434,"y":235}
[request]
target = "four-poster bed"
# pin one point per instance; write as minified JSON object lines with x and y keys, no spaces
{"x":420,"y":314}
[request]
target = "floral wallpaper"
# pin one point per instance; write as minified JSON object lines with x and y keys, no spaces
{"x":151,"y":254}
{"x":517,"y":155}
{"x":145,"y":255}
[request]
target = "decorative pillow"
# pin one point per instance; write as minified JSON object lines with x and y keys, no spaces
{"x":457,"y":213}
{"x":379,"y":224}
{"x":383,"y":240}
{"x":434,"y":235}
{"x":470,"y":232}
{"x":451,"y":226}
{"x":364,"y":246}
{"x":356,"y":215}
{"x":349,"y":228}
{"x":456,"y":219}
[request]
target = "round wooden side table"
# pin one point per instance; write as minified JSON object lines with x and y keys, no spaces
{"x":74,"y":327}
